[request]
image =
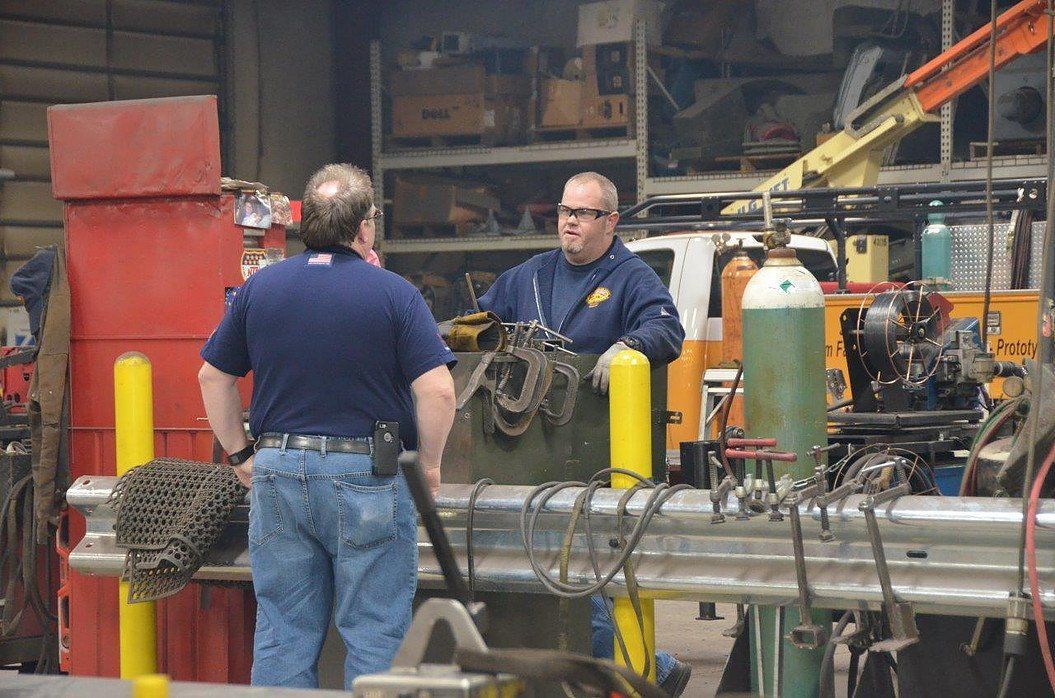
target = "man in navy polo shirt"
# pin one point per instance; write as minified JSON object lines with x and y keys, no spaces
{"x":335,"y":345}
{"x":605,"y":299}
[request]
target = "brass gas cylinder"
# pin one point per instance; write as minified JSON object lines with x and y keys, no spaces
{"x":735,"y":277}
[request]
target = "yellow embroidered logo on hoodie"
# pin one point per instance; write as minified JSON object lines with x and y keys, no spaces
{"x":599,"y":295}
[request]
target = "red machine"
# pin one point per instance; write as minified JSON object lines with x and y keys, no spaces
{"x":152,"y":249}
{"x":15,"y":381}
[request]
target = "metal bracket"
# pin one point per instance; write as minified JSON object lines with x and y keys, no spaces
{"x":862,"y":111}
{"x":434,"y":611}
{"x":670,"y":417}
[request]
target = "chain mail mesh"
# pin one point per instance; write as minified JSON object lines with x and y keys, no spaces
{"x":169,"y":513}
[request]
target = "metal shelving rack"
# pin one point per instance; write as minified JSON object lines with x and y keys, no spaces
{"x":477,"y":156}
{"x":945,"y":170}
{"x":1010,"y":167}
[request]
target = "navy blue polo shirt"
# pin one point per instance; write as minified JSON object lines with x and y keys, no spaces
{"x":333,"y":343}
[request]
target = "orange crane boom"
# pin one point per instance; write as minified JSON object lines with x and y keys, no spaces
{"x":1020,"y":30}
{"x":852,"y":157}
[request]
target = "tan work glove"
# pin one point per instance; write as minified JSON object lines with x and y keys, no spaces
{"x":482,"y":331}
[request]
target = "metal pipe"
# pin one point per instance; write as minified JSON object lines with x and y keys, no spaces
{"x":947,"y":555}
{"x":836,"y":226}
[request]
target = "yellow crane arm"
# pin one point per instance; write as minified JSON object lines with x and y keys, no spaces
{"x":852,"y":157}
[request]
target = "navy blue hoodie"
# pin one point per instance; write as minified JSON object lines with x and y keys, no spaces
{"x":625,"y":298}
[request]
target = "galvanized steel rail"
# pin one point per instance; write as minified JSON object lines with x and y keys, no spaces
{"x":947,"y":555}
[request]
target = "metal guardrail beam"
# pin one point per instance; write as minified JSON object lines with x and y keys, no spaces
{"x":947,"y":555}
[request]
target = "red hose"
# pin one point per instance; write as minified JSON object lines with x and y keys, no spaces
{"x":759,"y":443}
{"x":1031,"y":562}
{"x":761,"y":455}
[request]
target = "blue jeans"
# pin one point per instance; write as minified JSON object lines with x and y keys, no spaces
{"x":602,"y":643}
{"x":328,"y":539}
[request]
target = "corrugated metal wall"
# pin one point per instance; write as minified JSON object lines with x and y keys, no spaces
{"x":67,"y":51}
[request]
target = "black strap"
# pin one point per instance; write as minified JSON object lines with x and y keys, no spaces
{"x":26,"y":356}
{"x":851,"y":674}
{"x":239,"y":457}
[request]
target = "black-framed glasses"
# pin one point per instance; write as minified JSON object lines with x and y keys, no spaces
{"x":376,"y":216}
{"x":581,"y":214}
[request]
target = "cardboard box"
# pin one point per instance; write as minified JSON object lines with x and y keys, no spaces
{"x":612,"y":110}
{"x":561,"y":103}
{"x":457,"y":80}
{"x":608,"y":69}
{"x":499,"y":119}
{"x":426,"y":200}
{"x":613,"y":20}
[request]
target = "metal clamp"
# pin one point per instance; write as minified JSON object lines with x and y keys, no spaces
{"x":900,"y":615}
{"x":530,"y":396}
{"x":718,"y":495}
{"x":825,"y":499}
{"x":742,"y":492}
{"x":807,"y":635}
{"x":562,"y":416}
{"x":766,"y":458}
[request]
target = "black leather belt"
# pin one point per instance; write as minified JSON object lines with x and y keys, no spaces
{"x":296,"y":442}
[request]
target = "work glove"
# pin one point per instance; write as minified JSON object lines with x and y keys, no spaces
{"x":482,"y":331}
{"x":601,"y":373}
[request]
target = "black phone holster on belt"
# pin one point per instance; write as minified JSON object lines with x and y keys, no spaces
{"x":386,"y":449}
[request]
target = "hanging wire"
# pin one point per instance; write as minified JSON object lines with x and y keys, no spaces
{"x":991,"y":239}
{"x":1042,"y":356}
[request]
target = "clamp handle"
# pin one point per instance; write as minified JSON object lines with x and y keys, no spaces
{"x":756,"y":443}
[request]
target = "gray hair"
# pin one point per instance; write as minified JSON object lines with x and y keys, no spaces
{"x":333,"y":219}
{"x":609,"y":196}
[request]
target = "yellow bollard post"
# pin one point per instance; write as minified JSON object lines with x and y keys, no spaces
{"x":630,"y":414}
{"x":134,"y":437}
{"x":150,"y":686}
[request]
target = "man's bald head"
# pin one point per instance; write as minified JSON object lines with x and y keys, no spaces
{"x":336,"y":200}
{"x":329,"y":189}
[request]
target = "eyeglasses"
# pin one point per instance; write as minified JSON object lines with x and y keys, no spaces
{"x":581,"y":214}
{"x":376,"y":216}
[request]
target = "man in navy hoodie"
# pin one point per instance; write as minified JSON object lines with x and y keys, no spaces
{"x":605,"y":299}
{"x":593,"y":290}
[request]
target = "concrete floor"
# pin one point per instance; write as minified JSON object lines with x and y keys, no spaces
{"x":702,"y":645}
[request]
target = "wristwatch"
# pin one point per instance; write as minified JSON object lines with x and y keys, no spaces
{"x":632,"y":342}
{"x":239,"y":457}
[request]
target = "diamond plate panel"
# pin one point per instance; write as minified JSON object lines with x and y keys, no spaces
{"x":968,"y":256}
{"x":1035,"y":253}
